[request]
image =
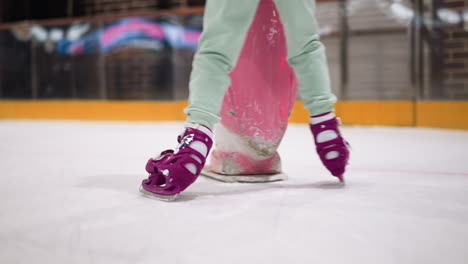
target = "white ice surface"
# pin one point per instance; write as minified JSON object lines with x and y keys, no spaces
{"x":69,"y":194}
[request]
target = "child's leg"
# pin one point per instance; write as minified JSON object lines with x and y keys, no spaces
{"x":306,"y":54}
{"x":225,"y":27}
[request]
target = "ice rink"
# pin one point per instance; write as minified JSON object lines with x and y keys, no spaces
{"x":70,"y":195}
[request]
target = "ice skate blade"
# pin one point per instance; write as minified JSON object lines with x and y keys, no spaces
{"x":166,"y":198}
{"x":341,"y":178}
{"x":249,"y":178}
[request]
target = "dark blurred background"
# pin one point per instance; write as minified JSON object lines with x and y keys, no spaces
{"x":17,"y":10}
{"x":110,"y":49}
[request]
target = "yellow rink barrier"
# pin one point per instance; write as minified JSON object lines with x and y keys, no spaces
{"x":388,"y":113}
{"x":94,"y":110}
{"x":442,"y":114}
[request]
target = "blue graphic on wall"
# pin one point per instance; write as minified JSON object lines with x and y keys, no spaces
{"x":132,"y":32}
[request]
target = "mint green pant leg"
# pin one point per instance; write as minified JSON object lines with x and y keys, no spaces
{"x":225,"y":28}
{"x":306,"y":54}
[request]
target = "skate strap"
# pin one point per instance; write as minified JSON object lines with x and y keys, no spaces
{"x":192,"y":134}
{"x":331,"y":124}
{"x":337,"y":144}
{"x":152,"y":164}
{"x":184,"y":155}
{"x":184,"y":148}
{"x":329,"y":144}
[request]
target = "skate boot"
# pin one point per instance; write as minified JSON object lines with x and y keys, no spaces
{"x":174,"y":170}
{"x":332,"y":149}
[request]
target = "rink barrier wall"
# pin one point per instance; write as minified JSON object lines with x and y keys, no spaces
{"x":441,"y":114}
{"x":94,"y":110}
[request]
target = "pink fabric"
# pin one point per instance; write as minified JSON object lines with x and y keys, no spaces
{"x":263,"y":87}
{"x":257,"y":105}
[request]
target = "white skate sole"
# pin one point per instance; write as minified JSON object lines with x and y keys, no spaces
{"x":247,"y":178}
{"x":166,"y":198}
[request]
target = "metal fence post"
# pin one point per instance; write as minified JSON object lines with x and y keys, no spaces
{"x":34,"y":77}
{"x":102,"y":71}
{"x":344,"y":36}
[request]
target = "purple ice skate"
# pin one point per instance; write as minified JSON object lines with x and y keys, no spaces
{"x":338,"y":147}
{"x":173,"y":171}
